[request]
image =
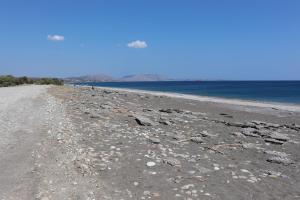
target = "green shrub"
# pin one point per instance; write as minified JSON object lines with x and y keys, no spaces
{"x":49,"y":81}
{"x":6,"y":81}
{"x":9,"y":80}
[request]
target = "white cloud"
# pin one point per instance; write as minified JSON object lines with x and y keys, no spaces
{"x":137,"y":44}
{"x":56,"y":38}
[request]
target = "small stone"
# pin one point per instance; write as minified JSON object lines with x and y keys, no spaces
{"x":203,"y":170}
{"x":135,"y":183}
{"x":216,"y":167}
{"x":102,"y":167}
{"x":156,"y":194}
{"x":206,"y":134}
{"x":95,"y":116}
{"x":245,"y":170}
{"x":197,"y":140}
{"x":188,"y":186}
{"x":250,"y":146}
{"x":272,"y":174}
{"x":276,"y":153}
{"x":165,"y":121}
{"x":238,"y":134}
{"x":151,"y":164}
{"x":154,"y":140}
{"x":172,"y":161}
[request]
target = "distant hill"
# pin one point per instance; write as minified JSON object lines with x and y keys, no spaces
{"x":106,"y":78}
{"x":89,"y":78}
{"x":144,"y":77}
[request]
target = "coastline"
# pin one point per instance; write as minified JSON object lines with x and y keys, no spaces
{"x":237,"y":102}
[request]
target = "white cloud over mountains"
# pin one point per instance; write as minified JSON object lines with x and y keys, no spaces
{"x":56,"y":38}
{"x":137,"y":44}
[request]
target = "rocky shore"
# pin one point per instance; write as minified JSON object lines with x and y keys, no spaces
{"x":142,"y":146}
{"x":120,"y":144}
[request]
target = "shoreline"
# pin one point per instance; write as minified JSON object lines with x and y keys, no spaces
{"x":237,"y":102}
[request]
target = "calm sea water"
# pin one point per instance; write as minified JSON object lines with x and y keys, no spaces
{"x":275,"y":91}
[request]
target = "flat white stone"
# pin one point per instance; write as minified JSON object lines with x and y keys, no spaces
{"x":151,"y":164}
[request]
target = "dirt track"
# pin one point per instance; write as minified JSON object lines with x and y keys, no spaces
{"x":34,"y":164}
{"x":22,"y":119}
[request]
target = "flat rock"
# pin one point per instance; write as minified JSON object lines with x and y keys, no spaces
{"x":251,"y":132}
{"x":276,"y":153}
{"x":154,"y":140}
{"x":278,"y":157}
{"x":144,"y":121}
{"x":272,"y":125}
{"x":168,"y":110}
{"x":94,"y":116}
{"x":197,"y":140}
{"x":274,"y":141}
{"x":279,"y":136}
{"x":151,"y":164}
{"x":239,"y":124}
{"x":280,"y":160}
{"x":172,"y":161}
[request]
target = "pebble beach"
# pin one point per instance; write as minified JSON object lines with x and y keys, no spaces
{"x":106,"y":143}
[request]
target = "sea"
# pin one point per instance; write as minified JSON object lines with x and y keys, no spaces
{"x":267,"y":91}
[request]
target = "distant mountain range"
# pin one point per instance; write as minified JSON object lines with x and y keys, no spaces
{"x":144,"y":77}
{"x":106,"y":78}
{"x":89,"y":78}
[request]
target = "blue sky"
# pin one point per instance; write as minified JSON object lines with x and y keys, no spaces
{"x":209,"y":39}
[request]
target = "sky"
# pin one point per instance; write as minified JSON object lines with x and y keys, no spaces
{"x":196,"y":39}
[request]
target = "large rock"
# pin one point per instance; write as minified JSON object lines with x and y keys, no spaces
{"x":279,"y":136}
{"x":278,"y":157}
{"x":251,"y":132}
{"x":273,"y":141}
{"x":144,"y":121}
{"x":280,"y":160}
{"x":239,"y":124}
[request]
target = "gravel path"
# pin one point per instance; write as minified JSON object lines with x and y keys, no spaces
{"x":34,"y":163}
{"x":22,"y":112}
